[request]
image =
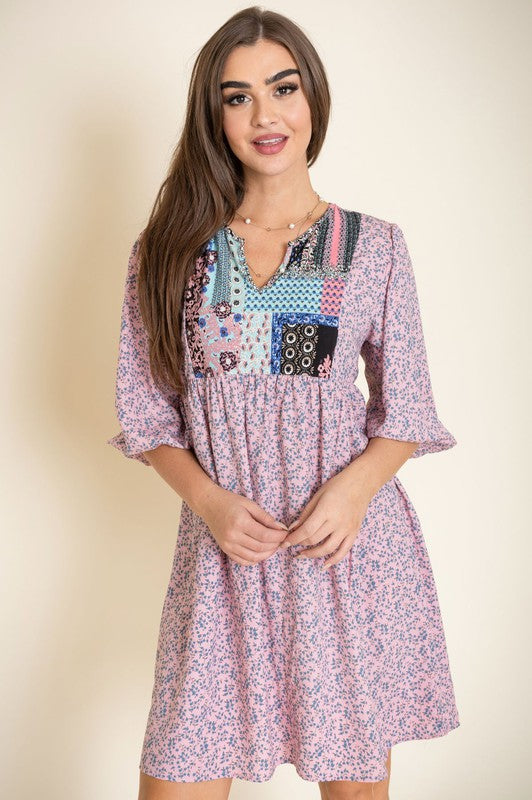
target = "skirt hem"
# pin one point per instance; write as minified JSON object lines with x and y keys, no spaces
{"x":306,"y":775}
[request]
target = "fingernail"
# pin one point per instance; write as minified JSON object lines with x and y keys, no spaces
{"x":284,"y":544}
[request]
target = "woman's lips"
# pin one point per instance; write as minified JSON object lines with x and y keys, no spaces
{"x":270,"y":149}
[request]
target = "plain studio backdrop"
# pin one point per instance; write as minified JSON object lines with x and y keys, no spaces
{"x":430,"y":129}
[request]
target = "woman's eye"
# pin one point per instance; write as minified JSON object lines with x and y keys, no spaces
{"x":234,"y":97}
{"x":291,"y":86}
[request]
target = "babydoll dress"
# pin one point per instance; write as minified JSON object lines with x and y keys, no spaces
{"x":279,"y":662}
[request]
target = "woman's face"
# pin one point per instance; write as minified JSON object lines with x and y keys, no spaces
{"x":257,"y":109}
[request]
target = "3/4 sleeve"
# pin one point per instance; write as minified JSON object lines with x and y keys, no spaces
{"x":401,"y":403}
{"x":148,"y":417}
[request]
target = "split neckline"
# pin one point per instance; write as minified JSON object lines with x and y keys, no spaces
{"x":240,"y":240}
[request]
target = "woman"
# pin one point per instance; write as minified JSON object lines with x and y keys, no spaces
{"x":301,"y":622}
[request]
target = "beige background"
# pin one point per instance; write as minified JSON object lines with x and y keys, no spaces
{"x":430,"y":129}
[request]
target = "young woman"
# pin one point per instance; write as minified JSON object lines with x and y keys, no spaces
{"x":301,"y":622}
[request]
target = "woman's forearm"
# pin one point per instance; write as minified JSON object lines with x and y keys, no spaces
{"x":181,"y":470}
{"x":379,"y":462}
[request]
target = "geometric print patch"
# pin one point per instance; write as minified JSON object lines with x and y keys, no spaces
{"x":303,"y":344}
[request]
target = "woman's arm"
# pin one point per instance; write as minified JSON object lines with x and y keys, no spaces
{"x":378,"y":463}
{"x":182,"y":471}
{"x":244,"y":530}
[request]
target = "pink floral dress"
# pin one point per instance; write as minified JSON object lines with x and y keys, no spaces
{"x":281,"y":662}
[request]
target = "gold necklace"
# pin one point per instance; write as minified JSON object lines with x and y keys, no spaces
{"x":291,"y":226}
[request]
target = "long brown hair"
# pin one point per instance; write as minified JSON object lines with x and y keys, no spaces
{"x":204,"y":184}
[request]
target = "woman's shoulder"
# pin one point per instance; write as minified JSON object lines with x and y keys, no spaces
{"x":370,"y":221}
{"x":375,"y":242}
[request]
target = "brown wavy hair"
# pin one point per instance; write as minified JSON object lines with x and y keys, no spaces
{"x":205,"y":182}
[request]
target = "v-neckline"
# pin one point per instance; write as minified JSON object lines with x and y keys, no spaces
{"x":240,"y":240}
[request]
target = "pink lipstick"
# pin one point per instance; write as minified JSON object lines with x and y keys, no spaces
{"x":269,"y":145}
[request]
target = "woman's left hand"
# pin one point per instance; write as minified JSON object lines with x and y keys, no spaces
{"x":332,"y":518}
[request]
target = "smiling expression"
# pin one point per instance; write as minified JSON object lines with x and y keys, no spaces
{"x":263,"y":96}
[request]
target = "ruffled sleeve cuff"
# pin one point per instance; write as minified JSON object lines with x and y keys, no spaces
{"x":135,"y":445}
{"x":423,"y":427}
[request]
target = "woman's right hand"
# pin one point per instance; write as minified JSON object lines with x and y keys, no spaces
{"x":244,"y":531}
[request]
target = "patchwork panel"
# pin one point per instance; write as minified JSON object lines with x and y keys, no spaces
{"x":289,"y":326}
{"x":331,"y":295}
{"x":303,"y":344}
{"x":255,"y":355}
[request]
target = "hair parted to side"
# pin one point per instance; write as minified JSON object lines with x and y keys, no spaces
{"x":204,"y":184}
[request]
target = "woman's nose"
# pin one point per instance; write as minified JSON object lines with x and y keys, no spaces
{"x":264,"y":112}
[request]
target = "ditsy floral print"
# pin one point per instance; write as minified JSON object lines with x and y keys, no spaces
{"x":281,"y":662}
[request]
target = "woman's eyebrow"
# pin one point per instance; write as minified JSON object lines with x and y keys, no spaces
{"x":267,"y":81}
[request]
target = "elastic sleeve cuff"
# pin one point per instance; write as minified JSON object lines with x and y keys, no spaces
{"x":135,"y":447}
{"x":428,"y":430}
